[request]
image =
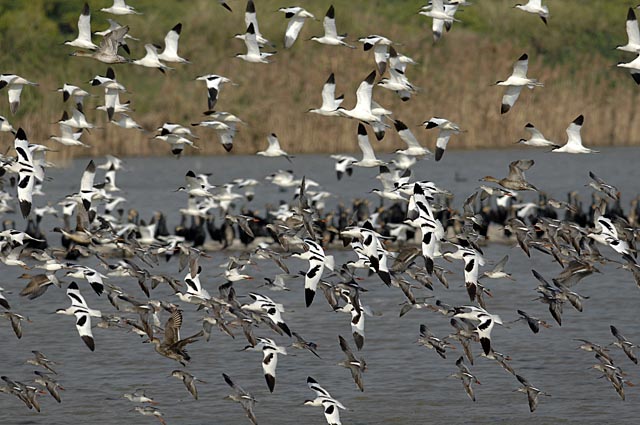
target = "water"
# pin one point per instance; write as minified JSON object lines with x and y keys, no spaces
{"x":405,"y":383}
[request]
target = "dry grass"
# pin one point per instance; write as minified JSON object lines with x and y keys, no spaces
{"x":455,"y":78}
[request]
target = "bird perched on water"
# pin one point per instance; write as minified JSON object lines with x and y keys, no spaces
{"x":516,"y":81}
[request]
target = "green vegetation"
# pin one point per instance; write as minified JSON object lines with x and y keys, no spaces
{"x":574,"y":56}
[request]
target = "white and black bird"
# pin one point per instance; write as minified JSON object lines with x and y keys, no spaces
{"x":253,"y":49}
{"x":317,"y":263}
{"x":633,"y":34}
{"x":214,"y":84}
{"x":362,"y":111}
{"x":380,"y":46}
{"x":537,"y":139}
{"x":574,"y":139}
{"x":28,"y":172}
{"x":83,"y":314}
{"x":442,"y":15}
{"x":83,"y":40}
{"x":170,"y":52}
{"x":535,"y":7}
{"x":297,"y":17}
{"x":273,"y":149}
{"x":331,"y":36}
{"x":14,"y":84}
{"x":329,"y":404}
{"x":446,"y":129}
{"x":486,"y":322}
{"x":516,"y":81}
{"x":330,"y":103}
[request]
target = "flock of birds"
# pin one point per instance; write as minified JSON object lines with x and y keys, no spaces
{"x":402,"y":244}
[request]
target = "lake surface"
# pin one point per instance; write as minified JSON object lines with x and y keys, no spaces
{"x":405,"y":383}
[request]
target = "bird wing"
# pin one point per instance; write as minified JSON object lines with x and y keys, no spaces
{"x":510,"y":96}
{"x":84,"y":24}
{"x":293,"y":29}
{"x":521,"y":66}
{"x":363,"y":143}
{"x":573,"y":133}
{"x":365,"y":92}
{"x":251,"y":41}
{"x":171,"y":41}
{"x":329,"y":24}
{"x":632,"y":28}
{"x":83,"y":325}
{"x":328,"y":93}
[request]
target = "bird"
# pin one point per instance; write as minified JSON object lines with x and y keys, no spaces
{"x":574,"y":140}
{"x":226,"y":131}
{"x":120,"y":8}
{"x":362,"y":111}
{"x":516,"y":81}
{"x":533,"y":322}
{"x":531,"y":391}
{"x":83,"y":40}
{"x":297,"y":17}
{"x":107,"y":52}
{"x":317,"y":262}
{"x":214,"y":84}
{"x":485,"y":320}
{"x":413,"y":146}
{"x":330,"y":103}
{"x":467,"y":378}
{"x":515,"y":180}
{"x":329,"y":404}
{"x":14,"y":84}
{"x":443,"y":16}
{"x":78,"y":94}
{"x":5,"y":125}
{"x":246,"y":400}
{"x":274,"y":150}
{"x":498,"y":270}
{"x":253,"y":49}
{"x":624,"y":344}
{"x":28,"y":172}
{"x":150,"y":410}
{"x":446,"y":129}
{"x":356,"y":366}
{"x":40,"y":359}
{"x":369,"y":159}
{"x":3,"y":301}
{"x":151,"y":59}
{"x":331,"y":36}
{"x":380,"y":46}
{"x":170,"y":52}
{"x":633,"y":34}
{"x":537,"y":139}
{"x":270,"y":353}
{"x":344,"y":165}
{"x":536,"y":7}
{"x":189,"y":381}
{"x":251,"y":18}
{"x":83,"y":314}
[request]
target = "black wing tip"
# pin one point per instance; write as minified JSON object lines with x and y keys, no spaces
{"x":579,"y":120}
{"x":85,"y":9}
{"x":21,"y":134}
{"x":331,"y":12}
{"x":285,"y":328}
{"x":111,"y":74}
{"x":250,"y":29}
{"x":89,"y":342}
{"x":271,"y":382}
{"x":529,"y":125}
{"x":359,"y":340}
{"x":371,"y":77}
{"x":636,"y":77}
{"x":429,"y":125}
{"x":524,"y":57}
{"x":486,"y":345}
{"x":400,"y":125}
{"x":504,"y":108}
{"x":631,"y":15}
{"x":331,"y":79}
{"x":310,"y":380}
{"x":177,"y":28}
{"x":251,"y":8}
{"x":362,"y":131}
{"x":439,"y":153}
{"x":309,"y":294}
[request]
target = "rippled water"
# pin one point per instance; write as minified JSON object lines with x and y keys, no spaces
{"x":405,"y":383}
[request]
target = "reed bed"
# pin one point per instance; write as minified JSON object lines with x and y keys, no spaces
{"x":455,"y":75}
